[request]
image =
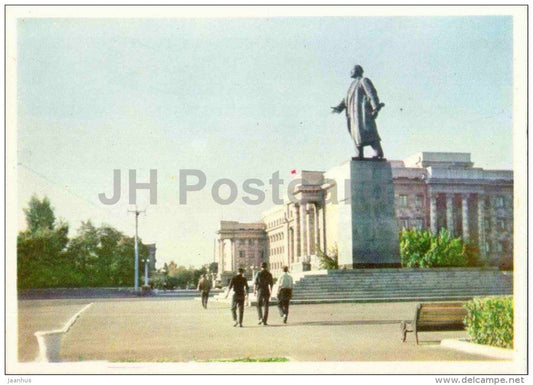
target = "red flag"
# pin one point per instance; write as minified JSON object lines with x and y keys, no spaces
{"x":293,"y":172}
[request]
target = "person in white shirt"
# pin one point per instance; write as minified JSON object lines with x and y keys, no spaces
{"x":285,"y":284}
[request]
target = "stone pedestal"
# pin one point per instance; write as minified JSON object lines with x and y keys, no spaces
{"x":300,"y":266}
{"x":368,"y":229}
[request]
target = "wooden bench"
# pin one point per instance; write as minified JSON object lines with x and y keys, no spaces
{"x":441,"y":316}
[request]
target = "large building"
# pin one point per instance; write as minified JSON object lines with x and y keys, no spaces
{"x":432,"y":191}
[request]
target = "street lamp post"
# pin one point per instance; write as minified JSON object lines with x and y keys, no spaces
{"x":136,"y":278}
{"x":146,"y":263}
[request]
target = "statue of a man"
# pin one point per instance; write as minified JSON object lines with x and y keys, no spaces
{"x":362,"y":106}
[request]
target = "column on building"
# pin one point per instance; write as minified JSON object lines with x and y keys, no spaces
{"x":220,"y":258}
{"x":493,"y":235}
{"x":309,"y":228}
{"x":450,"y":220}
{"x":466,"y":232}
{"x":323,"y":227}
{"x":233,"y":254}
{"x":317,"y":227}
{"x":433,"y":212}
{"x":481,"y":225}
{"x":303,"y":230}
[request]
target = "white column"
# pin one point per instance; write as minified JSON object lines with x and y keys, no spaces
{"x":450,"y":222}
{"x":297,"y":236}
{"x":317,"y":227}
{"x":323,"y":242}
{"x":233,"y":255}
{"x":433,"y":213}
{"x":309,"y":228}
{"x":220,"y":258}
{"x":303,"y":232}
{"x":466,"y":232}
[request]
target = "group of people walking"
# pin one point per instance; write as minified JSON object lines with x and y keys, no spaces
{"x":263,"y":284}
{"x":263,"y":290}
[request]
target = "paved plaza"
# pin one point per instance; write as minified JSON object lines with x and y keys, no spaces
{"x":180,"y":330}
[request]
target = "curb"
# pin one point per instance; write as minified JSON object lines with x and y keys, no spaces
{"x":50,"y":341}
{"x":473,"y":348}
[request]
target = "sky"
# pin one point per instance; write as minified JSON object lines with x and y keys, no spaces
{"x":240,"y":98}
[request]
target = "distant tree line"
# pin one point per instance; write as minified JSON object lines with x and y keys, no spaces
{"x":172,"y":276}
{"x":94,"y":257}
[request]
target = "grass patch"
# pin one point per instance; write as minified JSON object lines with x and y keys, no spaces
{"x":242,"y":359}
{"x":249,"y":359}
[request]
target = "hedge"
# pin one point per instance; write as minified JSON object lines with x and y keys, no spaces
{"x":490,"y":321}
{"x":425,"y":249}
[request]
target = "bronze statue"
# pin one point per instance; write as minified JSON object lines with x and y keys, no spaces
{"x":362,"y":106}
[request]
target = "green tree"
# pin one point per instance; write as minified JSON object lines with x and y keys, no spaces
{"x":108,"y":255}
{"x":213,"y":267}
{"x":39,"y":214}
{"x":83,"y":252}
{"x":41,"y":258}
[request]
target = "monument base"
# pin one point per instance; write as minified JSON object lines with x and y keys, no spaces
{"x":299,"y":267}
{"x":368,"y":211}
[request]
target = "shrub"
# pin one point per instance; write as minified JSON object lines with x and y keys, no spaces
{"x":329,"y":260}
{"x":423,"y":249}
{"x":490,"y":321}
{"x":413,"y":246}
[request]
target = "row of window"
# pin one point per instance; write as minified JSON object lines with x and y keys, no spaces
{"x":496,"y":247}
{"x":411,"y":223}
{"x":418,"y":223}
{"x":500,"y":223}
{"x":242,"y":254}
{"x":275,"y":223}
{"x":403,"y":202}
{"x":277,"y":250}
{"x":497,"y":201}
{"x":276,"y":237}
{"x":276,"y":265}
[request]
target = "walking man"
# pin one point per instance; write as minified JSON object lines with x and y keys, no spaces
{"x":263,"y":290}
{"x":284,"y":293}
{"x":204,"y":286}
{"x":362,"y":106}
{"x":240,"y":292}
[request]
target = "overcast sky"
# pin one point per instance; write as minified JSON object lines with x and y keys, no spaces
{"x":241,"y":98}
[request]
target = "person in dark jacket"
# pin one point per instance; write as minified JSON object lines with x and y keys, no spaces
{"x":240,"y":292}
{"x":204,"y":286}
{"x":263,"y":290}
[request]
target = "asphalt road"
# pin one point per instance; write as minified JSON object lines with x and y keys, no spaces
{"x":180,"y":330}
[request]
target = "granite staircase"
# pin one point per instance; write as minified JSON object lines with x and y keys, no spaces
{"x":379,"y":285}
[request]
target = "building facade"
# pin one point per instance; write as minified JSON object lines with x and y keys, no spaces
{"x":432,"y":191}
{"x":240,"y":245}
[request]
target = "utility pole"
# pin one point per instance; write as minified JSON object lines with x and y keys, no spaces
{"x":137,"y":212}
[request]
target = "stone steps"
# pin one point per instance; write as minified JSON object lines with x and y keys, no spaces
{"x":375,"y":285}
